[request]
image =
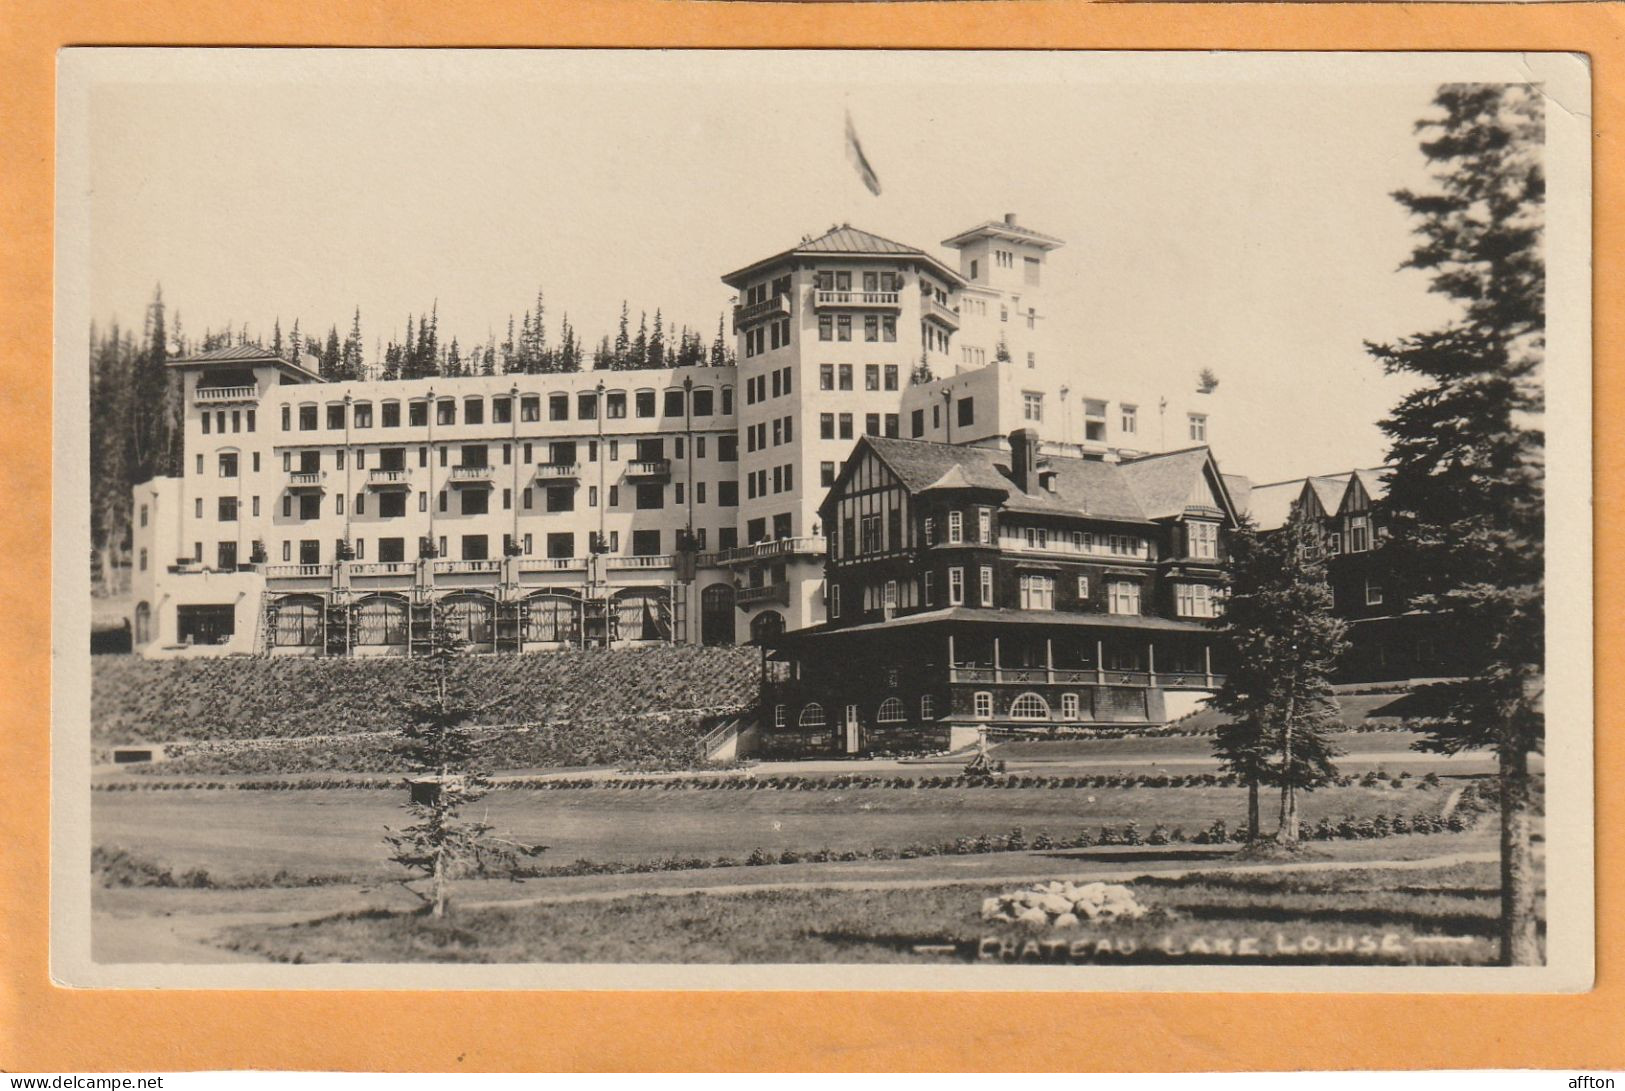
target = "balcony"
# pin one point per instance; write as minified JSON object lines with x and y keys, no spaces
{"x":388,"y":479}
{"x":384,"y":568}
{"x":467,"y":568}
{"x":749,"y":314}
{"x":553,"y":564}
{"x":653,"y":560}
{"x":558,"y":471}
{"x":756,"y":596}
{"x":297,"y":571}
{"x":479,"y":476}
{"x":761,"y":551}
{"x":890,"y":301}
{"x":649,"y":469}
{"x":941,"y":312}
{"x":306,"y":480}
{"x":221,"y":395}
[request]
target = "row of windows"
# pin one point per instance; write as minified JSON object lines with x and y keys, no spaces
{"x":644,"y":404}
{"x":756,"y":388}
{"x":783,"y":432}
{"x":840,"y":280}
{"x":218,"y":419}
{"x":892,"y":710}
{"x":555,"y":452}
{"x":774,"y":335}
{"x":1036,"y":592}
{"x":383,"y":619}
{"x":783,"y":479}
{"x":647,"y":496}
{"x":875,"y":376}
{"x":1085,"y":542}
{"x":840,"y":425}
{"x":558,"y":545}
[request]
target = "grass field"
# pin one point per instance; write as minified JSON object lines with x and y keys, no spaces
{"x":326,"y":833}
{"x":1361,"y":916}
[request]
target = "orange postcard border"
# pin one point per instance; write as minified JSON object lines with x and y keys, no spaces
{"x":47,"y":1028}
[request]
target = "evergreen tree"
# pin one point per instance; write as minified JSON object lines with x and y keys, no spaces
{"x":178,"y":338}
{"x":277,"y":348}
{"x":569,"y":350}
{"x":443,"y":777}
{"x":719,"y":347}
{"x":637,"y":357}
{"x":603,"y":356}
{"x":296,"y":343}
{"x":454,"y":359}
{"x":1284,"y":646}
{"x":1466,"y":491}
{"x":623,"y":340}
{"x":542,"y":361}
{"x":331,"y":357}
{"x":352,"y":361}
{"x":392,"y":362}
{"x":510,"y":362}
{"x":656,"y":351}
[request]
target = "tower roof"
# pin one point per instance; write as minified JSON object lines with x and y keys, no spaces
{"x":844,"y":240}
{"x":1006,"y":228}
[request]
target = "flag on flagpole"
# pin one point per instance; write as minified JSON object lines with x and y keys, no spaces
{"x":860,"y":162}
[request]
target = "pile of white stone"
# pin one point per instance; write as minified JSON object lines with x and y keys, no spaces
{"x":1064,"y":905}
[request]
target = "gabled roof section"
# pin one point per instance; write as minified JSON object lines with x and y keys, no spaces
{"x":1328,"y":491}
{"x":1374,"y":481}
{"x":1083,"y":488}
{"x":1240,"y":489}
{"x":1166,"y":482}
{"x":844,"y":240}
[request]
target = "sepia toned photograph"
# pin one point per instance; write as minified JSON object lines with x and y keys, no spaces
{"x":823,"y":520}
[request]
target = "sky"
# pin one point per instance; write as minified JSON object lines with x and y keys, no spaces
{"x":1217,"y":214}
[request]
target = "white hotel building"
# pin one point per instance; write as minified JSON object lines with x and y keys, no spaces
{"x":607,"y":507}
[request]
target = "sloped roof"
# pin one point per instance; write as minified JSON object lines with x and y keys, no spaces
{"x":1001,"y":615}
{"x":1271,"y":505}
{"x":1240,"y":489}
{"x":844,"y":239}
{"x":1329,"y":490}
{"x":1374,"y":481}
{"x":1132,"y":492}
{"x":229,"y":353}
{"x":1009,"y":230}
{"x":1163,"y":482}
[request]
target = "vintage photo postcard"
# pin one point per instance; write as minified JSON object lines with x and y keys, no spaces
{"x":823,"y":520}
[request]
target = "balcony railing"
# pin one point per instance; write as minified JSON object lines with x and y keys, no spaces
{"x":465,"y":568}
{"x":1072,"y":676}
{"x":948,"y":316}
{"x":389,"y":479}
{"x":776,"y":307}
{"x":306,"y":479}
{"x":888,"y":300}
{"x":384,"y":568}
{"x":653,"y":560}
{"x":552,"y":564}
{"x":769,"y":592}
{"x":779,"y":547}
{"x":216,"y":395}
{"x":558,"y":471}
{"x":295,"y":571}
{"x":472,"y":475}
{"x":649,"y":468}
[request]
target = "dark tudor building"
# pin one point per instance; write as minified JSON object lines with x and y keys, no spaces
{"x":974,"y":587}
{"x":1388,"y":639}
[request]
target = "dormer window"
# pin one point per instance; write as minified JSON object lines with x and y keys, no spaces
{"x":1359,"y":533}
{"x":1046,"y":480}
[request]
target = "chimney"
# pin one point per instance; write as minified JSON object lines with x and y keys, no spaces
{"x":1010,"y":219}
{"x":1024,"y":459}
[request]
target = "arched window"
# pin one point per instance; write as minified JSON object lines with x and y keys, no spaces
{"x":891,"y":712}
{"x":1029,"y":706}
{"x":471,"y":617}
{"x":766,"y":625}
{"x":642,"y":614}
{"x":717,"y":614}
{"x":552,"y":617}
{"x":298,"y":621}
{"x":812,"y":715}
{"x":381,"y":619}
{"x":143,"y":622}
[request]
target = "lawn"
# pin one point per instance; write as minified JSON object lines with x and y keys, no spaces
{"x":1362,"y":916}
{"x":236,"y":835}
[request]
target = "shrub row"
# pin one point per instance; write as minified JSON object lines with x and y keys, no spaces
{"x":134,"y":699}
